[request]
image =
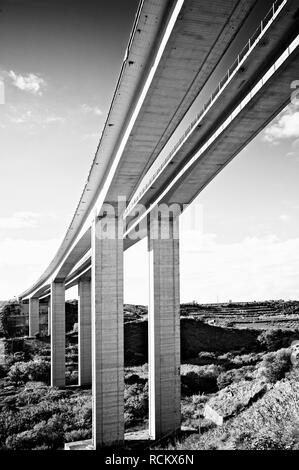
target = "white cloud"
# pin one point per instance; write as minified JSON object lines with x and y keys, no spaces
{"x":285,"y":126}
{"x":91,"y":109}
{"x":19,"y":220}
{"x":31,"y":82}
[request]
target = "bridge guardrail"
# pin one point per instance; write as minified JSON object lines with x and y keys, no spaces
{"x":275,"y":10}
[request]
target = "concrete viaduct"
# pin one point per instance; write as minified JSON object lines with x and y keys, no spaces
{"x":155,"y":151}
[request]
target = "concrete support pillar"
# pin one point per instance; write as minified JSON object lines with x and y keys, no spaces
{"x":84,"y":334}
{"x":164,"y":327}
{"x":57,"y":334}
{"x":49,"y":317}
{"x":107,"y":332}
{"x":33,"y":316}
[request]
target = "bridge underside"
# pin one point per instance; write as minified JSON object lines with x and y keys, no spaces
{"x":256,"y":93}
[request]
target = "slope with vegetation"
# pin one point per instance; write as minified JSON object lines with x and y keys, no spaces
{"x":241,"y":379}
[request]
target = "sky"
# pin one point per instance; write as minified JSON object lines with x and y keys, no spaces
{"x":59,"y":63}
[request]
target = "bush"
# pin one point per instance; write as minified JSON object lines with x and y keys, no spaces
{"x":192,"y":410}
{"x":32,"y":394}
{"x":49,"y":435}
{"x":134,"y":379}
{"x":199,"y":379}
{"x":22,"y":372}
{"x":3,"y":371}
{"x":19,"y":357}
{"x":18,"y":373}
{"x":209,"y":356}
{"x":39,"y":371}
{"x":275,"y":365}
{"x":78,"y":435}
{"x":83,"y":414}
{"x":37,"y":392}
{"x":45,"y":352}
{"x":71,"y":377}
{"x":136,"y":403}
{"x":272,"y":340}
{"x":4,"y":321}
{"x":235,"y":375}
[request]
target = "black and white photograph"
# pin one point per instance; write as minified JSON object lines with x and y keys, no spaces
{"x":149,"y":228}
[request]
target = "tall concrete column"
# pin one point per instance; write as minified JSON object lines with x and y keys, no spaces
{"x":84,"y":334}
{"x":107,"y":332}
{"x":49,"y":317}
{"x":33,"y":316}
{"x":164,"y":327}
{"x":57,"y":334}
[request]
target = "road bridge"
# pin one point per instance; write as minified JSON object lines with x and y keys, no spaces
{"x":174,"y":49}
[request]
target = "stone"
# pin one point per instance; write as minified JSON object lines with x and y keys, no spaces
{"x":233,"y":399}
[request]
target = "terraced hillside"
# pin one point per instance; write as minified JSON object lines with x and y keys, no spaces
{"x":256,"y":315}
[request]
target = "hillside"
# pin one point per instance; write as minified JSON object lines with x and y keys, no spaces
{"x":239,"y":386}
{"x":254,"y":397}
{"x":244,"y":315}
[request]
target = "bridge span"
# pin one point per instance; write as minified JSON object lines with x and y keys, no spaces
{"x":174,"y":49}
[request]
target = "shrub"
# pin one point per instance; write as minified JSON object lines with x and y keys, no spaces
{"x":136,"y":403}
{"x":22,"y":372}
{"x":43,"y":417}
{"x":4,"y":322}
{"x":83,"y":414}
{"x":3,"y":371}
{"x":275,"y":365}
{"x":206,"y":355}
{"x":235,"y":375}
{"x":199,"y":379}
{"x":272,"y":340}
{"x":45,"y":352}
{"x":32,"y":394}
{"x":131,"y":379}
{"x":39,"y":371}
{"x":49,"y":435}
{"x":71,"y":377}
{"x":19,"y":357}
{"x":192,"y":409}
{"x":78,"y":435}
{"x":18,"y":373}
{"x":72,"y":349}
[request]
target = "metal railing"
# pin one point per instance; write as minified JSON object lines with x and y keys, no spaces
{"x":275,"y":10}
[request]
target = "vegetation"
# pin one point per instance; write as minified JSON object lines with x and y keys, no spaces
{"x":272,"y":422}
{"x":275,"y":365}
{"x":271,"y":340}
{"x":22,"y":372}
{"x":244,"y":376}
